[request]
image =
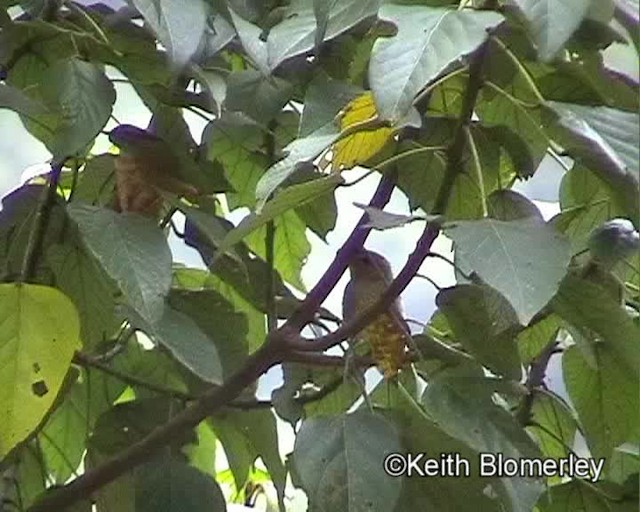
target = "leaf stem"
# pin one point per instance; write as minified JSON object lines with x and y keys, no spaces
{"x":478,"y":168}
{"x":521,"y":67}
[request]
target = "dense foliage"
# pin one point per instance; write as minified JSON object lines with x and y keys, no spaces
{"x":121,"y":371}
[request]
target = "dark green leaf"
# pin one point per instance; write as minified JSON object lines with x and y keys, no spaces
{"x":172,"y":486}
{"x":525,"y":260}
{"x":339,"y":462}
{"x":132,"y":250}
{"x":179,"y":25}
{"x":485,"y":323}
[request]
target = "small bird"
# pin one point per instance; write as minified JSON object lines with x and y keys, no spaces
{"x":613,"y":241}
{"x":389,"y":333}
{"x":145,"y":166}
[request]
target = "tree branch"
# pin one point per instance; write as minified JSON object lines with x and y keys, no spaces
{"x":535,"y":379}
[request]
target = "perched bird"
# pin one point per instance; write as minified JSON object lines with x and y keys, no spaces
{"x":389,"y":333}
{"x":145,"y":166}
{"x":613,"y":241}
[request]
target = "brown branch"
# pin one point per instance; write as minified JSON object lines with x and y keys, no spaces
{"x":535,"y":380}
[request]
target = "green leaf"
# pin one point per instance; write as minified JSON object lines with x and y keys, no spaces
{"x":339,"y":462}
{"x":92,"y":292}
{"x":533,"y":339}
{"x":96,"y":182}
{"x":185,"y":340}
{"x":14,"y":99}
{"x":202,"y":454}
{"x":132,"y":250}
{"x":428,"y":40}
{"x":589,"y":308}
{"x":206,"y":308}
{"x":171,"y":486}
{"x":252,"y":42}
{"x":247,"y":435}
{"x":179,"y":25}
{"x":323,"y":100}
{"x":236,"y":143}
{"x":605,"y":397}
{"x":485,"y":323}
{"x":552,"y":23}
{"x":466,"y":412}
{"x":39,"y":332}
{"x":64,"y":437}
{"x":301,"y":150}
{"x":602,"y":135}
{"x":296,"y":34}
{"x":239,"y":295}
{"x":508,"y":205}
{"x":578,"y":495}
{"x":524,"y":260}
{"x":291,"y":247}
{"x":586,"y":202}
{"x":84,"y":96}
{"x":554,"y":425}
{"x":607,"y":141}
{"x":258,"y":97}
{"x":287,"y":199}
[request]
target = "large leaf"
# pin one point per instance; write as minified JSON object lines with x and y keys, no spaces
{"x":179,"y":25}
{"x":552,"y":23}
{"x":586,"y":202}
{"x":14,"y":99}
{"x":296,"y":34}
{"x":206,"y":308}
{"x":525,"y":259}
{"x":258,"y":97}
{"x":247,"y":435}
{"x":291,"y":247}
{"x":608,"y":142}
{"x":606,"y":398}
{"x":236,"y":143}
{"x":86,"y":284}
{"x":85,"y":97}
{"x":39,"y":332}
{"x":339,"y":462}
{"x":133,"y":251}
{"x":590,"y":309}
{"x":465,"y":411}
{"x":428,"y":40}
{"x":173,"y":486}
{"x":185,"y":340}
{"x":554,"y":425}
{"x":485,"y":324}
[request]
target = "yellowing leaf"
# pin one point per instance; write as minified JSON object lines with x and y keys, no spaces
{"x":39,"y":332}
{"x":359,"y":147}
